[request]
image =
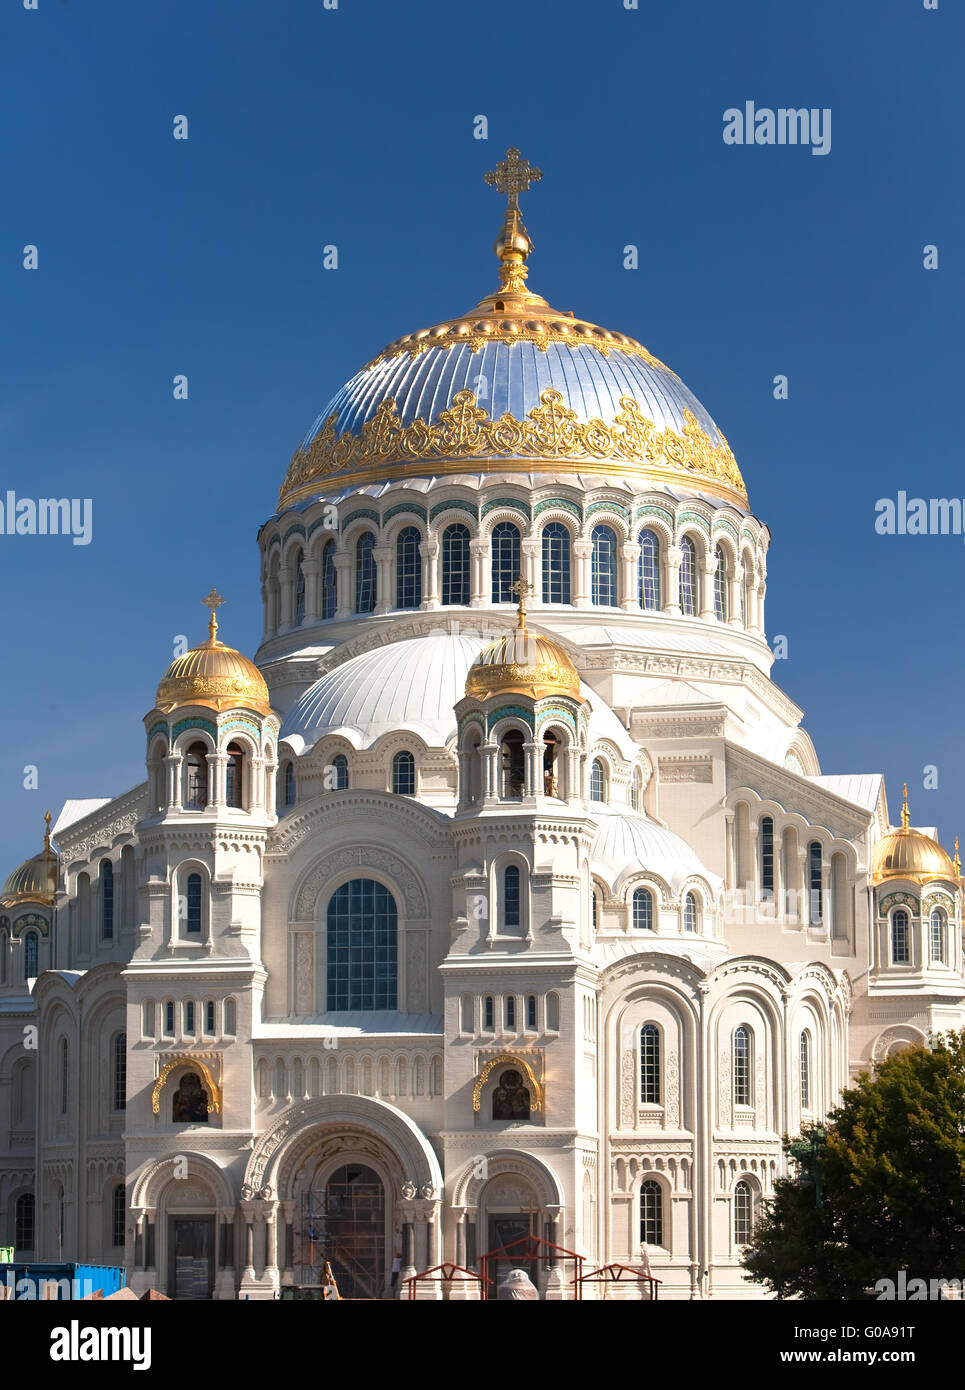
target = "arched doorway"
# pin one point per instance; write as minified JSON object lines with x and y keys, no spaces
{"x":348,"y":1223}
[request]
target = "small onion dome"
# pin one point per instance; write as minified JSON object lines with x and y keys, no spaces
{"x":908,"y":853}
{"x":213,"y":675}
{"x":36,"y":879}
{"x":523,"y":663}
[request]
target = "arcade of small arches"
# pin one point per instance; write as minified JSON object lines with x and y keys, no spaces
{"x":194,"y":772}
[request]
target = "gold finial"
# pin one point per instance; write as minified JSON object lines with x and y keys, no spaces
{"x":47,"y":833}
{"x":957,"y":861}
{"x":522,"y":587}
{"x":513,"y":176}
{"x":213,"y":601}
{"x":904,"y":808}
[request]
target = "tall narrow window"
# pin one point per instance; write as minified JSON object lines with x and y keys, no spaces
{"x":365,"y":573}
{"x":531,"y":1012}
{"x":234,"y":777}
{"x":650,"y":1064}
{"x":193,"y":895}
{"x":556,"y":563}
{"x":594,"y":910}
{"x":289,"y":797}
{"x":604,"y":566}
{"x":643,"y":910}
{"x":340,"y":768}
{"x":649,"y":571}
{"x":743,"y":1214}
{"x":196,"y":778}
{"x":691,"y":913}
{"x":120,"y":1072}
{"x":403,"y":774}
{"x":147,"y":1018}
{"x":118,"y":1215}
{"x":362,"y":946}
{"x":688,"y":577}
{"x":408,"y":569}
{"x":23,"y":1226}
{"x":169,"y":1018}
{"x":511,"y":896}
{"x":30,"y":964}
{"x":64,"y":1075}
{"x":900,"y":954}
{"x":767,"y":855}
{"x":189,"y":1018}
{"x":489,"y":1014}
{"x":742,"y":1066}
{"x":512,"y":758}
{"x":815,"y":881}
{"x":720,"y":585}
{"x":636,"y":790}
{"x":597,"y":780}
{"x":651,"y":1214}
{"x":230,"y":1018}
{"x":299,"y":591}
{"x":328,"y":582}
{"x":107,"y":900}
{"x":510,"y":1012}
{"x":553,"y":1013}
{"x":209,"y":1016}
{"x":505,"y":561}
{"x":455,"y":565}
{"x":938,"y":936}
{"x":805,"y":1070}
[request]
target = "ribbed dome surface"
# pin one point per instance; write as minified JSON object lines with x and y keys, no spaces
{"x":524,"y":662}
{"x":34,"y":881}
{"x":907,"y":853}
{"x":215,"y":676}
{"x":627,"y":842}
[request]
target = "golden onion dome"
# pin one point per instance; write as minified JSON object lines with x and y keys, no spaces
{"x":908,"y":853}
{"x":213,"y":675}
{"x":523,"y":663}
{"x":35,"y":881}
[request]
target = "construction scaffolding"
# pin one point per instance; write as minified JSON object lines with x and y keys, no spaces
{"x":344,"y":1228}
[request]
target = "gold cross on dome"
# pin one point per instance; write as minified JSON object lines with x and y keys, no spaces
{"x":513,"y":175}
{"x":522,"y":587}
{"x":214,"y":602}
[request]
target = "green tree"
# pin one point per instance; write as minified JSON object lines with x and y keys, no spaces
{"x":890,"y":1173}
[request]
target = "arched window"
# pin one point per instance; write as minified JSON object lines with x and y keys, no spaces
{"x":510,"y":1012}
{"x":643,"y":910}
{"x":489,"y":1014}
{"x":362,"y":946}
{"x":815,"y":881}
{"x":939,"y":937}
{"x":169,"y":1018}
{"x":649,"y":570}
{"x":688,"y":577}
{"x":505,"y":561}
{"x":511,"y":1098}
{"x":531,"y":1012}
{"x":30,"y":963}
{"x":650,"y":1064}
{"x":408,"y":569}
{"x":636,"y":790}
{"x":189,"y":1104}
{"x":455,"y":565}
{"x":118,"y":1215}
{"x":209,"y":1017}
{"x":23,"y":1228}
{"x":328,"y":582}
{"x":604,"y":566}
{"x":743,"y":1214}
{"x":403,"y":774}
{"x":234,"y":777}
{"x":747,"y":587}
{"x":598,"y":780}
{"x":230,"y":1018}
{"x":551,"y":765}
{"x":365,"y":573}
{"x":288,"y":797}
{"x":196,"y":778}
{"x":512,"y":758}
{"x":340,"y":767}
{"x":556,"y":563}
{"x":742,"y":1065}
{"x":193,"y":904}
{"x":120,"y":1072}
{"x":805,"y":1070}
{"x":691,"y":913}
{"x":64,"y":1075}
{"x":552,"y":1013}
{"x":511,"y":905}
{"x":594,"y":909}
{"x":147,"y":1018}
{"x":107,"y":900}
{"x":900,"y":952}
{"x":651,"y":1213}
{"x":299,"y":616}
{"x":189,"y":1018}
{"x":466,"y":1014}
{"x":720,"y":585}
{"x":767,"y":855}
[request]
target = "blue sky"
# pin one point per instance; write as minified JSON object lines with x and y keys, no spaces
{"x":355,"y":127}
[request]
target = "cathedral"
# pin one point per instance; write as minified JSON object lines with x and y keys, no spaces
{"x":501,"y":895}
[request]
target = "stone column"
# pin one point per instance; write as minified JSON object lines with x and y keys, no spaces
{"x":312,"y":596}
{"x":286,"y":586}
{"x":803,"y":888}
{"x":529,"y":560}
{"x":753,"y":835}
{"x":580,"y":577}
{"x":708,"y":607}
{"x":759,"y":605}
{"x":460,"y":1237}
{"x":672,"y":594}
{"x":172,"y":765}
{"x":384,"y":597}
{"x":534,"y":768}
{"x":630,"y":561}
{"x":429,"y":550}
{"x":734,"y":597}
{"x":480,"y":573}
{"x":217,"y":762}
{"x":490,"y":768}
{"x":729,"y":831}
{"x":271,"y":1240}
{"x":778,"y":875}
{"x":344,"y":595}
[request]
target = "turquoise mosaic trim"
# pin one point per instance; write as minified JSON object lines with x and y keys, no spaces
{"x":365,"y":512}
{"x":558,"y":504}
{"x":553,"y":712}
{"x":413,"y":507}
{"x":154,"y":730}
{"x":195,"y":723}
{"x":296,"y":530}
{"x":651,"y":509}
{"x":701,"y":521}
{"x":722,"y":524}
{"x":473,"y":717}
{"x":516,"y":710}
{"x":456,"y":506}
{"x":28,"y":920}
{"x":320,"y":521}
{"x":497,"y":502}
{"x":275,"y":540}
{"x":898,"y":900}
{"x":747,"y":535}
{"x":616,"y":508}
{"x":239,"y":722}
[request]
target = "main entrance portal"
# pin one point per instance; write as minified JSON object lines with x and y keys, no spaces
{"x":344,"y":1224}
{"x":191,"y":1259}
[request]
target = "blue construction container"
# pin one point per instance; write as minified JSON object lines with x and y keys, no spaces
{"x":70,"y":1280}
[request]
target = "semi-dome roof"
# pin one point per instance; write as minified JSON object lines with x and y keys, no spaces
{"x":514,"y":385}
{"x":213,"y":675}
{"x":628,"y":842}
